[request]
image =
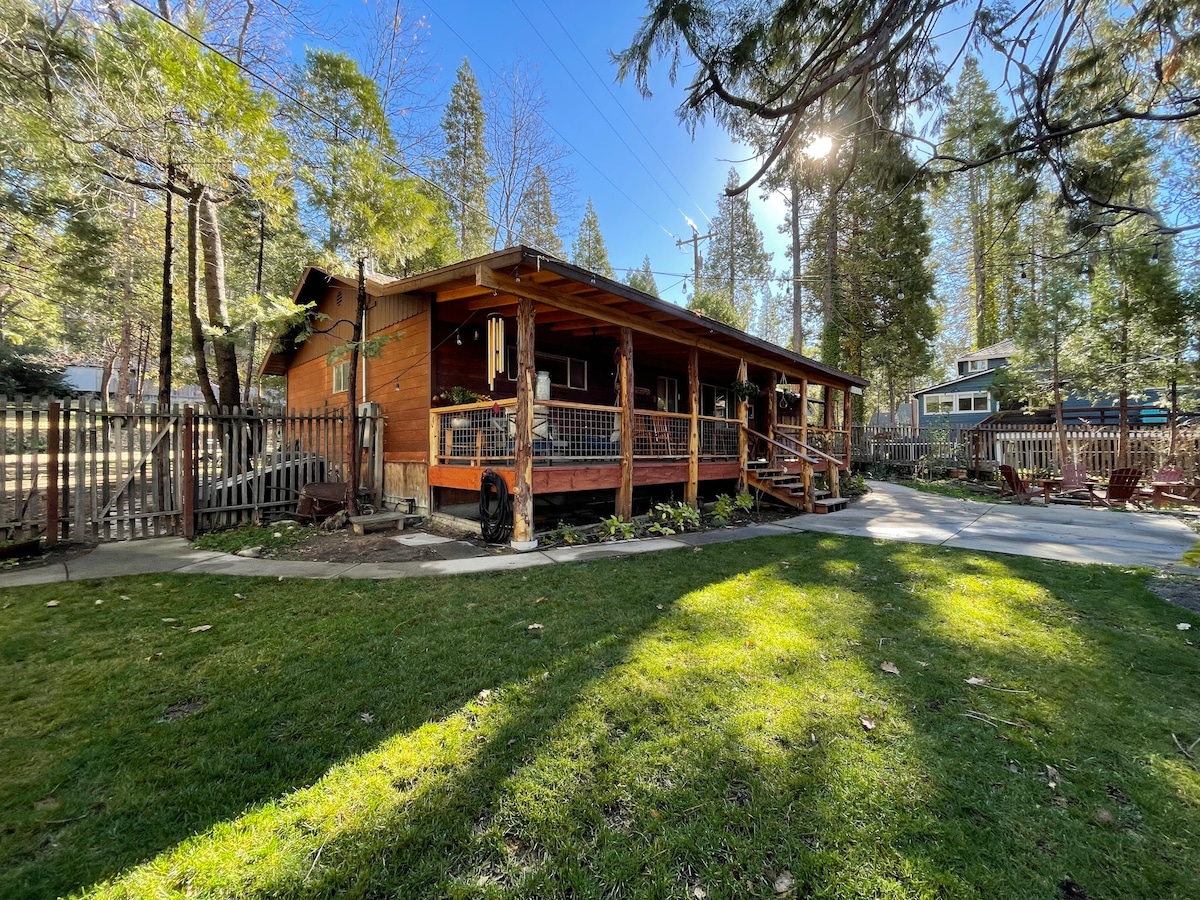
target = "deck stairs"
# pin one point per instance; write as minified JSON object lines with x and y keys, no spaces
{"x":788,"y":486}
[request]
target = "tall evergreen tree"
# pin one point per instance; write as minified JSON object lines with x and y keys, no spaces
{"x":979,"y":209}
{"x":537,"y":222}
{"x":463,"y":169}
{"x":588,"y":250}
{"x":643,"y":279}
{"x":737,"y":262}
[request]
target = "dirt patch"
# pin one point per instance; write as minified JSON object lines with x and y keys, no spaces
{"x":1178,"y":590}
{"x":381,"y":547}
{"x":177,"y":711}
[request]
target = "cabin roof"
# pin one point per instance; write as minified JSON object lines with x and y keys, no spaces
{"x":572,"y":297}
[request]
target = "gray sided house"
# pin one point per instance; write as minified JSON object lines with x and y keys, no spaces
{"x":967,"y":399}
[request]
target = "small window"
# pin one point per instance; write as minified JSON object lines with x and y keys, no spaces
{"x":577,"y":374}
{"x":341,"y":377}
{"x":667,"y":394}
{"x":977,"y":365}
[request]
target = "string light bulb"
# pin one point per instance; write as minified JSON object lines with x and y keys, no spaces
{"x":458,"y":338}
{"x":1154,"y":258}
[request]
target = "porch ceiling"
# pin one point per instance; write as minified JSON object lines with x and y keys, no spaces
{"x":574,"y":303}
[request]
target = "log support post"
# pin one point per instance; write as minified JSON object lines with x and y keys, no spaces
{"x":522,"y":537}
{"x":743,"y":437}
{"x":772,"y":415}
{"x":847,"y":422}
{"x":625,"y":379}
{"x":692,"y":491}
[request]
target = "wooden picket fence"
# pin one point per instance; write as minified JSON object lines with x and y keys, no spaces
{"x":76,"y":470}
{"x":1028,"y":448}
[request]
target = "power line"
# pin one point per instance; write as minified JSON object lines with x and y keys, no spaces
{"x":287,"y":95}
{"x":603,"y":83}
{"x":550,"y":125}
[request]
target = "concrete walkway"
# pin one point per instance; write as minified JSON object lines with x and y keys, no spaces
{"x":890,"y":512}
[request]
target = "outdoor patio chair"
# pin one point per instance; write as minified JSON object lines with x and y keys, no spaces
{"x":1015,"y":487}
{"x":1075,"y":487}
{"x":1122,"y":488}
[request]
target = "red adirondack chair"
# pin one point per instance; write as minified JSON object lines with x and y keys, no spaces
{"x":1122,"y":488}
{"x":1075,"y":485}
{"x":1016,"y":487}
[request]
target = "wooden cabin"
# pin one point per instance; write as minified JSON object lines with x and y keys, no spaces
{"x":595,"y":391}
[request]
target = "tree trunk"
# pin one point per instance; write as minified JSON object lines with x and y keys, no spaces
{"x":166,"y":324}
{"x":978,"y":277}
{"x":224,"y":351}
{"x":797,"y":268}
{"x":125,"y":347}
{"x":193,"y":297}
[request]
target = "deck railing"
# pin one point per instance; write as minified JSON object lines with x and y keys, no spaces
{"x":483,"y":434}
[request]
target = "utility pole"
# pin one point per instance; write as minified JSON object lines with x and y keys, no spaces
{"x":694,"y":240}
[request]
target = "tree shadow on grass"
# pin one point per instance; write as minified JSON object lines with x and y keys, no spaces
{"x":715,"y":744}
{"x":131,"y":732}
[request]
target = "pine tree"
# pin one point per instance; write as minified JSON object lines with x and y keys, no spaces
{"x":978,"y":209}
{"x":643,"y":279}
{"x":737,"y":263}
{"x":463,"y":170}
{"x":537,"y":222}
{"x":589,"y":251}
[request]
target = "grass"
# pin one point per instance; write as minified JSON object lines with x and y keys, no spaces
{"x":684,"y":721}
{"x":950,"y":489}
{"x":270,"y":538}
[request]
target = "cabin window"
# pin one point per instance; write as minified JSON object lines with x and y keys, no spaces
{"x":667,"y":394}
{"x":565,"y":371}
{"x":341,"y":376}
{"x":977,"y":365}
{"x":938,"y":403}
{"x":714,"y":401}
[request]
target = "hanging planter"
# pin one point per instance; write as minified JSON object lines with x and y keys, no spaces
{"x":788,"y":398}
{"x":743,"y":390}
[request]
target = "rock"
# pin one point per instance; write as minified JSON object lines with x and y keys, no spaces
{"x":250,"y":552}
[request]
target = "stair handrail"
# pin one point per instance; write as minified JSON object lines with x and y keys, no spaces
{"x":821,"y":454}
{"x":791,"y":450}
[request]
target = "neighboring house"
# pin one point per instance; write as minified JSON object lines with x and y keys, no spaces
{"x":967,"y":399}
{"x":548,"y":343}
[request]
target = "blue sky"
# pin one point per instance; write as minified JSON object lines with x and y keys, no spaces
{"x":641,"y":167}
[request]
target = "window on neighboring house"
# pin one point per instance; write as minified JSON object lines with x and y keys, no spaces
{"x":977,"y":402}
{"x":938,"y":403}
{"x":341,"y":376}
{"x":977,"y":365}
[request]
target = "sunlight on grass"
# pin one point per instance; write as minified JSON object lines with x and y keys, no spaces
{"x":699,"y":720}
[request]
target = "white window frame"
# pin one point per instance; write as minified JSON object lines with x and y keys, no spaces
{"x":572,"y":365}
{"x":955,"y":400}
{"x":668,"y":393}
{"x":977,"y":365}
{"x":948,"y":399}
{"x":341,"y":376}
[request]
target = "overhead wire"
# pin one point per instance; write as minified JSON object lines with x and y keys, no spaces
{"x":549,"y":124}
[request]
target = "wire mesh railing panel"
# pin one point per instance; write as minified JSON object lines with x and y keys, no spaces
{"x":582,"y":434}
{"x":661,"y":435}
{"x":718,"y":438}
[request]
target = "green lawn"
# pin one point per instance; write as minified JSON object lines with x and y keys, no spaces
{"x":684,"y":724}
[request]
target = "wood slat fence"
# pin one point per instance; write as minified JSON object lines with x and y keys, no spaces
{"x":75,"y":470}
{"x":1028,"y":448}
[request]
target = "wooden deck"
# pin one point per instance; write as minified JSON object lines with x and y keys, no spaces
{"x":562,"y":479}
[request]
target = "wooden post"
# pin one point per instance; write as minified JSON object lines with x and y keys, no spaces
{"x":743,"y":438}
{"x":53,"y":445}
{"x":522,"y":537}
{"x":847,"y":422}
{"x":772,"y":415}
{"x":804,"y":411}
{"x":187,"y":467}
{"x":625,"y":377}
{"x":692,"y":492}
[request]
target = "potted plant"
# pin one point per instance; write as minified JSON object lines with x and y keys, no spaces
{"x":788,"y":398}
{"x":743,"y":390}
{"x":458,"y":396}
